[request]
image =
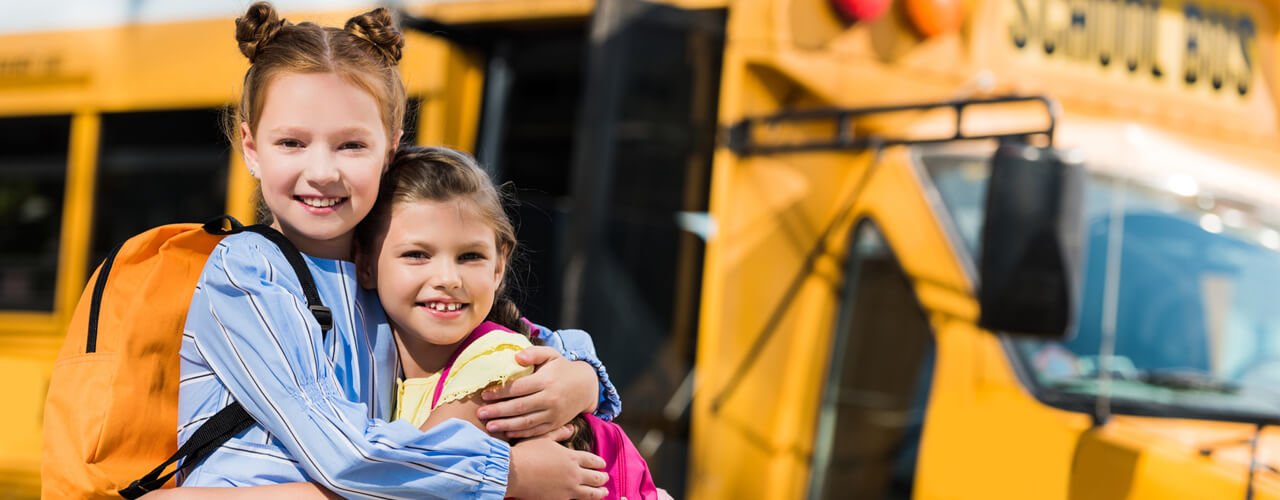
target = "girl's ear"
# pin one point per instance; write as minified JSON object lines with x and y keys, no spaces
{"x":501,"y":263}
{"x":391,"y":151}
{"x":249,"y":148}
{"x":366,"y":272}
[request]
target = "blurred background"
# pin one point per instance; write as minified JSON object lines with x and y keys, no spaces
{"x":826,"y":248}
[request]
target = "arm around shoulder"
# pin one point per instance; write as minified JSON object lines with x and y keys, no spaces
{"x":463,"y":409}
{"x":576,"y":345}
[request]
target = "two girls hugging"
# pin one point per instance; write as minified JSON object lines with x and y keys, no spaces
{"x":429,"y":371}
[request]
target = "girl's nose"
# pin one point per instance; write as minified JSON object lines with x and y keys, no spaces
{"x":322,"y":170}
{"x":446,"y":277}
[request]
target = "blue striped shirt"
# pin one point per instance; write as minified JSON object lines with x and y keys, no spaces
{"x":321,"y":405}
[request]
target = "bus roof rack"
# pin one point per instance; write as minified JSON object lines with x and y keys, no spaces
{"x":467,"y":36}
{"x":742,"y":142}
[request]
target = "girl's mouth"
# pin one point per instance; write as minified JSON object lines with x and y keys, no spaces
{"x":320,"y":205}
{"x":444,"y":310}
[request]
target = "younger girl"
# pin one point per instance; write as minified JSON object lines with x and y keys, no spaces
{"x":437,"y":246}
{"x":318,"y":123}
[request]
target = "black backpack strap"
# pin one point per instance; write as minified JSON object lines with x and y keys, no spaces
{"x":226,"y":224}
{"x":233,"y":419}
{"x":291,"y":253}
{"x":213,"y":433}
{"x":223,"y":225}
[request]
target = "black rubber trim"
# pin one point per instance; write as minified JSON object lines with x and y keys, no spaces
{"x":95,"y":304}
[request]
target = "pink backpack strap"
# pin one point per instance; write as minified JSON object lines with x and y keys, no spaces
{"x":533,"y":329}
{"x":480,"y":331}
{"x":629,"y":475}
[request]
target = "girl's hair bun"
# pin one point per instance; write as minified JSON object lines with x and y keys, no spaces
{"x":377,"y":28}
{"x":257,"y":29}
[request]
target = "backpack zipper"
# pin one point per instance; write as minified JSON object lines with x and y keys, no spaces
{"x":91,"y":342}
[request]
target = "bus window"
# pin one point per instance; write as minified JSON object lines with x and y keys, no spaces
{"x":873,"y":406}
{"x":527,"y":138}
{"x":626,"y":161}
{"x":157,"y":167}
{"x":1194,"y":326}
{"x":33,"y":174}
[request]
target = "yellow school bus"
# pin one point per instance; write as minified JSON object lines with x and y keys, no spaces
{"x":839,"y":349}
{"x":771,"y":214}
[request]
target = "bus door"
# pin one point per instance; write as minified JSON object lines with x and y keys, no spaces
{"x":641,"y":173}
{"x":605,"y":125}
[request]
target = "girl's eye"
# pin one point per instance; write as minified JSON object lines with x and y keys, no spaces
{"x":469,"y":256}
{"x":415,"y":255}
{"x":352,"y":145}
{"x":290,"y":143}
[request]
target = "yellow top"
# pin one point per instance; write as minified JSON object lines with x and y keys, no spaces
{"x":490,"y":360}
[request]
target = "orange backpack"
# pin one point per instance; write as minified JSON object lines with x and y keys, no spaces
{"x":112,"y":410}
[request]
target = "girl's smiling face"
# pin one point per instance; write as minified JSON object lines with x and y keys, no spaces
{"x":319,"y":150}
{"x":437,"y":269}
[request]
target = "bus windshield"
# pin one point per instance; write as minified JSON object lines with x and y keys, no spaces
{"x":1197,"y":327}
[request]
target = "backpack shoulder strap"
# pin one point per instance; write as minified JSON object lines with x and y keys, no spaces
{"x":227,"y":224}
{"x":480,"y":331}
{"x":233,"y":419}
{"x":323,"y":314}
{"x":221,"y":427}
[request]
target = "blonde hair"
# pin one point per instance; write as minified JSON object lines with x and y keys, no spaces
{"x":365,"y":52}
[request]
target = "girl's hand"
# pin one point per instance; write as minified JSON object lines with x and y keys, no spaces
{"x":542,"y":468}
{"x":557,"y":391}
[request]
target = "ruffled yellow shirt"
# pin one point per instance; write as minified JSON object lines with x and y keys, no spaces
{"x":490,"y":360}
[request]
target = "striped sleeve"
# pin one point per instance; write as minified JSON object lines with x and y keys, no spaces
{"x":257,"y":335}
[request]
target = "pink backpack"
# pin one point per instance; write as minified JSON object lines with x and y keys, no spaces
{"x":629,"y":477}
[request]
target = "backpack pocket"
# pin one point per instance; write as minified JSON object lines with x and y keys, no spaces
{"x":80,"y":390}
{"x":79,"y":396}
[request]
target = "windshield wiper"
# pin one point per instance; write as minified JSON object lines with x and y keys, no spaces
{"x":1188,"y":380}
{"x":1180,"y":379}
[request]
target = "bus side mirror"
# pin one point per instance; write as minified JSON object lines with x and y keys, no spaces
{"x":1031,"y":241}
